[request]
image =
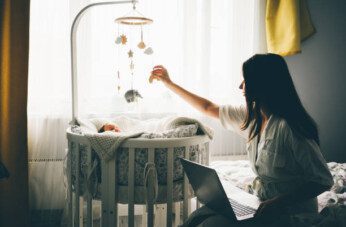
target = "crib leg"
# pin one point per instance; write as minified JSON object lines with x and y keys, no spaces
{"x":150,"y":215}
{"x":131,"y":187}
{"x":169,"y":186}
{"x":89,"y":212}
{"x":109,"y":215}
{"x":150,"y":204}
{"x":113,"y":203}
{"x":186,"y":203}
{"x":88,"y":194}
{"x":177,"y":213}
{"x":199,"y":160}
{"x":144,"y":216}
{"x":81,"y":210}
{"x":69,"y":195}
{"x":104,"y":199}
{"x":77,"y":187}
{"x":78,"y":212}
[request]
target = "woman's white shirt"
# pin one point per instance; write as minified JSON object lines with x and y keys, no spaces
{"x":282,"y":160}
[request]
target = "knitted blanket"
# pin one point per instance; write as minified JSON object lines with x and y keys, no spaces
{"x":106,"y":144}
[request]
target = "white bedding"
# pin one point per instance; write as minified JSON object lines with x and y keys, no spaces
{"x":107,"y":143}
{"x":237,"y":172}
{"x":332,"y":204}
{"x":240,"y":174}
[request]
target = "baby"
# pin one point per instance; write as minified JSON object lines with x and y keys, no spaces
{"x":109,"y":127}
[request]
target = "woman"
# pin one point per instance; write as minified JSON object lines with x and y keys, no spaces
{"x":283,"y":142}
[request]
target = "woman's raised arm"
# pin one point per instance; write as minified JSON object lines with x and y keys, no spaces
{"x":205,"y":106}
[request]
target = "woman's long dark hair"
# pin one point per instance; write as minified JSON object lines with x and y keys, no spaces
{"x":268,"y":84}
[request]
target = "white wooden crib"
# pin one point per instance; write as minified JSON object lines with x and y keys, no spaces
{"x":109,"y":186}
{"x":110,"y":192}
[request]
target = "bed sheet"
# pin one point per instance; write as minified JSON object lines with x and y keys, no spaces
{"x":240,"y":174}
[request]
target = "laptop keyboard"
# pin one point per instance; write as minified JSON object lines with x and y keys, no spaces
{"x":241,"y":210}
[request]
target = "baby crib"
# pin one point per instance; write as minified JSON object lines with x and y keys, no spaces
{"x":110,"y":190}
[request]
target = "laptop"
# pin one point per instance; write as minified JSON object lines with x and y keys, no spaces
{"x":228,"y":200}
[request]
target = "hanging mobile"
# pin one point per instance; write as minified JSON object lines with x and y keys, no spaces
{"x":133,"y":18}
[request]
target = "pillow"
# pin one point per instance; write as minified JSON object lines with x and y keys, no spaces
{"x":86,"y":125}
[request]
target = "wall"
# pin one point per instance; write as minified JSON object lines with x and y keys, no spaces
{"x":319,"y":73}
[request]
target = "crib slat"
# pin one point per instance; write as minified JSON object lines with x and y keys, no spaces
{"x":104,"y":191}
{"x":169,"y":186}
{"x":89,"y":196}
{"x":150,"y":205}
{"x":70,"y":211}
{"x":131,"y":187}
{"x":76,"y":197}
{"x":112,"y":204}
{"x":177,"y":213}
{"x":207,"y":153}
{"x":186,"y":185}
{"x":81,"y":206}
{"x":199,"y":160}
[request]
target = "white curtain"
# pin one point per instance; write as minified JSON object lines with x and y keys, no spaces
{"x":201,"y":43}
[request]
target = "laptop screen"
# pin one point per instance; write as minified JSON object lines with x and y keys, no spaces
{"x":207,"y":187}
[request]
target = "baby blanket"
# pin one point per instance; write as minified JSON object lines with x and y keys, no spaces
{"x":105,"y":144}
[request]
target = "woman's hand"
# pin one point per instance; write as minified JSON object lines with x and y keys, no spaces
{"x":160,"y":73}
{"x":269,"y":208}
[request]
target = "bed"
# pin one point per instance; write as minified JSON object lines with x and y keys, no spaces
{"x":331,"y":204}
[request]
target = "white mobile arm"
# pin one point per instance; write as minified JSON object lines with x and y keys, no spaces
{"x":74,"y":52}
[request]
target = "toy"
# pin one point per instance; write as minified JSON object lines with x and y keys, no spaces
{"x":125,"y":40}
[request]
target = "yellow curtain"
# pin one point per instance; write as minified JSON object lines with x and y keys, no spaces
{"x":14,"y":48}
{"x":288,"y":22}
